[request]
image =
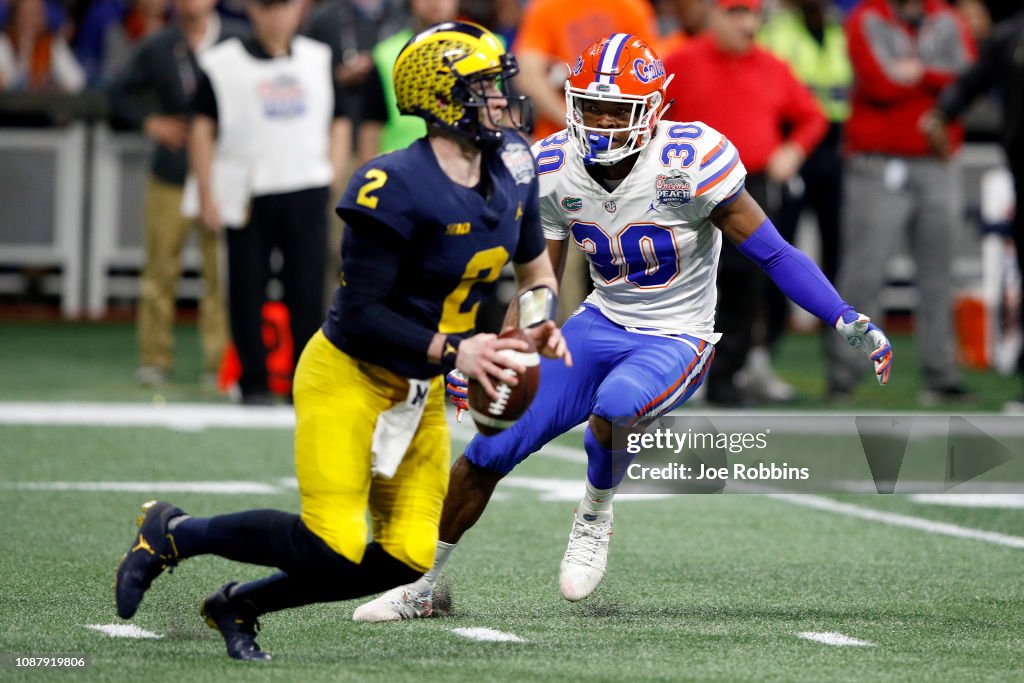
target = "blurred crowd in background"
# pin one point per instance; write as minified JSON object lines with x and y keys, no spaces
{"x":861,"y":98}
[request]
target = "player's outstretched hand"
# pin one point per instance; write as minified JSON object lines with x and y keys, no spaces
{"x":549,"y":341}
{"x":859,"y":332}
{"x":457,"y":387}
{"x":479,"y":357}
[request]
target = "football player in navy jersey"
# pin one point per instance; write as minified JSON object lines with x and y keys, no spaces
{"x":429,"y":229}
{"x":649,"y":202}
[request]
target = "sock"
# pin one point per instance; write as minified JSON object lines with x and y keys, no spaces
{"x":596,"y":505}
{"x":605,"y":467}
{"x":335,"y":579}
{"x":267,"y":537}
{"x":425,"y":584}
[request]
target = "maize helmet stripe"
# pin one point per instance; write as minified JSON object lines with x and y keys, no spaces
{"x":610,"y":57}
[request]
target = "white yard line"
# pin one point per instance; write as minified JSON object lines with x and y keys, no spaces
{"x":184,"y":416}
{"x":895,"y":519}
{"x":487,"y":634}
{"x":1007,"y":501}
{"x":833,"y":638}
{"x":123,"y":631}
{"x":225,"y":487}
{"x":200,"y":416}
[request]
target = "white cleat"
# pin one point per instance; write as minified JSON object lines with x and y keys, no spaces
{"x":585,"y":559}
{"x":398,"y":603}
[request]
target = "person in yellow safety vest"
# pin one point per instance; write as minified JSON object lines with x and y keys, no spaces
{"x":398,"y":131}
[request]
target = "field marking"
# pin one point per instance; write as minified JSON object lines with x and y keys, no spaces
{"x":568,"y":490}
{"x":197,"y":416}
{"x":895,"y":519}
{"x":488,"y":635}
{"x":1008,"y":501}
{"x":224,"y":487}
{"x":833,"y":638}
{"x":194,"y":416}
{"x":182,"y":416}
{"x":123,"y":631}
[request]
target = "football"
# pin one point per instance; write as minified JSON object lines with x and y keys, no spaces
{"x":495,"y":415}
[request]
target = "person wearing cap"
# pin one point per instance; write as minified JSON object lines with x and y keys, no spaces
{"x":904,"y":52}
{"x":752,"y":97}
{"x":268,"y":136}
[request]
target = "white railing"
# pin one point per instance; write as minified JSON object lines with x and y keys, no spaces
{"x":42,"y":188}
{"x":44,"y":193}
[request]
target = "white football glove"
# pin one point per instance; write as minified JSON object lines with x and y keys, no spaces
{"x":862,"y":334}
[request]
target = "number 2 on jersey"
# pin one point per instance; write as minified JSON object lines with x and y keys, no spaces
{"x":644,"y":253}
{"x":376,"y":178}
{"x":485,"y":266}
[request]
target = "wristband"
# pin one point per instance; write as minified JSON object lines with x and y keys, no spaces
{"x":450,"y":351}
{"x":536,"y":306}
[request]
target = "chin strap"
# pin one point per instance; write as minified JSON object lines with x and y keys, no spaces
{"x":598,"y":143}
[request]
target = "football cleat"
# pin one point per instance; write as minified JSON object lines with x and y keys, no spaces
{"x":398,"y":603}
{"x":585,"y":559}
{"x":236,"y":622}
{"x":151,"y":552}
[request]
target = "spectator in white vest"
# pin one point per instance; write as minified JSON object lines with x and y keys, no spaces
{"x":267,"y":138}
{"x":153,"y":93}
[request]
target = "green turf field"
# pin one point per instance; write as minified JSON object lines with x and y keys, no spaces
{"x":699,"y":587}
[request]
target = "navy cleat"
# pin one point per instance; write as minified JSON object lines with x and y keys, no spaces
{"x":236,"y":621}
{"x":152,"y":552}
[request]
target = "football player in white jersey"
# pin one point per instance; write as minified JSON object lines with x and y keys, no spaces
{"x":647,"y":201}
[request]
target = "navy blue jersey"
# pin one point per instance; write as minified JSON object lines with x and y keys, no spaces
{"x":452,"y":242}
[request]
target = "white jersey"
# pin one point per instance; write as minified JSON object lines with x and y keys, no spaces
{"x":653,"y":252}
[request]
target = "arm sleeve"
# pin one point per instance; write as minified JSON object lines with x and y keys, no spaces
{"x":204,"y":101}
{"x":794,"y":272}
{"x":372,"y":256}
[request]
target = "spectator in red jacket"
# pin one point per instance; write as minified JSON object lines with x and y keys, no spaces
{"x":753,"y":97}
{"x":904,"y":52}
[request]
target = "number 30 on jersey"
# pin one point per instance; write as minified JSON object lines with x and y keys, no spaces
{"x":644,"y":254}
